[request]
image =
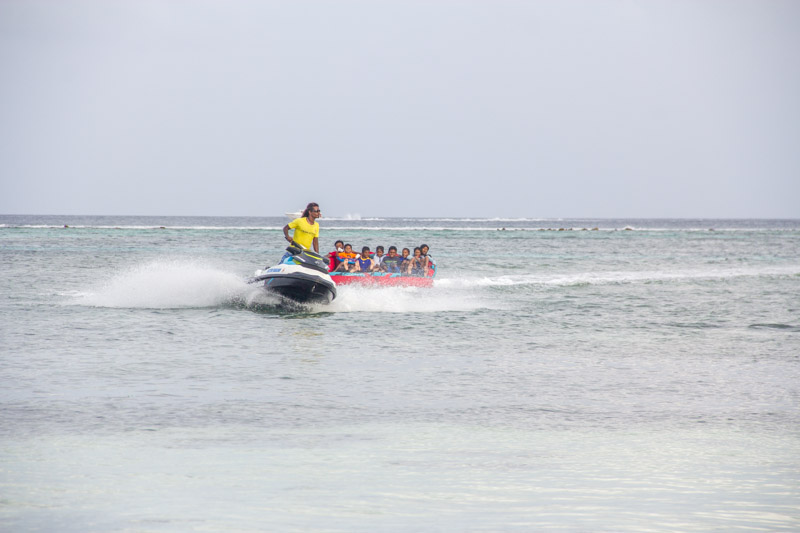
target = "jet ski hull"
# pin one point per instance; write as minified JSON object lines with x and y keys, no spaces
{"x":299,"y":289}
{"x":294,"y":284}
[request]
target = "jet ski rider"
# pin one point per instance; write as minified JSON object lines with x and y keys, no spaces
{"x":306,"y":228}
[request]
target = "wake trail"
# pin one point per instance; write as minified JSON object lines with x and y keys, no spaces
{"x":613,"y":277}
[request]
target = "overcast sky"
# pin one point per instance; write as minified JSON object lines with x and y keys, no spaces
{"x":401,"y":108}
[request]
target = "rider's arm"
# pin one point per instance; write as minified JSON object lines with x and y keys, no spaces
{"x":286,"y":233}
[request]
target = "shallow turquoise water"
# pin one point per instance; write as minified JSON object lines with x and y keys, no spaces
{"x":642,"y":379}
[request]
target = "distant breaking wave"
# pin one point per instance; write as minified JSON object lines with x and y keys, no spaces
{"x":394,"y":228}
{"x":138,"y":227}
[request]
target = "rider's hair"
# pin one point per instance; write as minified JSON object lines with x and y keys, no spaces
{"x":309,"y":207}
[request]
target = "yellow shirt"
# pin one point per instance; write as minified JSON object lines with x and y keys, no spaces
{"x":304,"y":233}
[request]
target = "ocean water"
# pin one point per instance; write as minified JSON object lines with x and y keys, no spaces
{"x":640,"y":376}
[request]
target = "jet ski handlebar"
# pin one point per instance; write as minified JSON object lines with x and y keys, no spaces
{"x":296,"y":248}
{"x":306,"y":257}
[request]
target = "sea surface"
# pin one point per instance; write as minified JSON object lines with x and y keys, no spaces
{"x":561,"y":375}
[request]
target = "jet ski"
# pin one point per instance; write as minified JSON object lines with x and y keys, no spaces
{"x":301,"y":276}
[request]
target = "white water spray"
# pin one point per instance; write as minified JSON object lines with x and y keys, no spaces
{"x":166,"y":284}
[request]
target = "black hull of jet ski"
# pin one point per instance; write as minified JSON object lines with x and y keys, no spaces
{"x":298,"y":287}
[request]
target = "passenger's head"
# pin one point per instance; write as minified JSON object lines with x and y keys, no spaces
{"x":424,"y":249}
{"x":417,"y":252}
{"x":311,"y":208}
{"x":379,"y":250}
{"x":348,"y":248}
{"x":365,"y":250}
{"x":406,"y":251}
{"x":338,"y":246}
{"x":393,"y":251}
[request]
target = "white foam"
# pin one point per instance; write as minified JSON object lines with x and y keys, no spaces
{"x":352,"y":298}
{"x":615,"y":277}
{"x":167,"y":284}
